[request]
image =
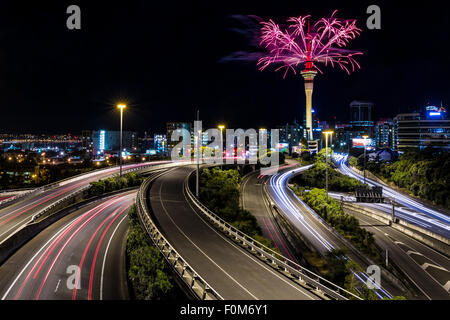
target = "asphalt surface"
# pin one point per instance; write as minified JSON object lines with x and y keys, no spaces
{"x":253,"y":200}
{"x":229,"y":269}
{"x":307,"y":222}
{"x":423,"y":266}
{"x":412,"y":210}
{"x":81,"y":256}
{"x":18,"y":214}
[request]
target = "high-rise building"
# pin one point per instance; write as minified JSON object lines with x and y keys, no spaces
{"x":342,"y":136}
{"x":104,"y":140}
{"x":160,"y":144}
{"x":86,"y":139}
{"x":145,"y":143}
{"x":291,"y":134}
{"x":429,"y":128}
{"x":384,"y":133}
{"x":171,"y":127}
{"x":361,"y":114}
{"x":361,"y":119}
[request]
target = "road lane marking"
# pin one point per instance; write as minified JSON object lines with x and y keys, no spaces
{"x":57,"y":286}
{"x":208,"y":257}
{"x":106,"y":253}
{"x":248,"y":255}
{"x":426,"y":265}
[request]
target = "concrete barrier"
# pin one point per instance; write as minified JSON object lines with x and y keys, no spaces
{"x":27,"y":232}
{"x":188,"y":279}
{"x":308,"y":279}
{"x":425,"y":236}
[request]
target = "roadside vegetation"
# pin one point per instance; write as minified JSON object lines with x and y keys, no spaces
{"x":147,"y":271}
{"x":219,"y":191}
{"x":335,"y":267}
{"x":24,"y":171}
{"x":424,"y":174}
{"x":347,"y":225}
{"x":315,"y":177}
{"x":114,"y":183}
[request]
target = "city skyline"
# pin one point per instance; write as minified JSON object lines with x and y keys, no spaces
{"x":240,"y":151}
{"x":75,"y":77}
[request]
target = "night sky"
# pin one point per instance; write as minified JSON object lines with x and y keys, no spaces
{"x":165,"y":58}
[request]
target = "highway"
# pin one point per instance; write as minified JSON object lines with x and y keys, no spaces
{"x":426,"y":268}
{"x":229,"y":269}
{"x":409,"y":209}
{"x":253,"y":200}
{"x":89,"y":242}
{"x":19,"y":213}
{"x":308,"y":223}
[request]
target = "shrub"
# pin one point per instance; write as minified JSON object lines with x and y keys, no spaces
{"x":147,"y":269}
{"x":346,"y":225}
{"x":219,"y":191}
{"x":114,"y":183}
{"x":425,"y":174}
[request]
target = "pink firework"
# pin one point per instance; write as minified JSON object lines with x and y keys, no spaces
{"x":300,"y":43}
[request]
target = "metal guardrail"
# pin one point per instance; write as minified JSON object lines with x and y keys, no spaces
{"x":58,"y":183}
{"x":15,"y":190}
{"x":19,"y":196}
{"x":42,"y":212}
{"x":304,"y":276}
{"x":81,"y":190}
{"x":189,"y":276}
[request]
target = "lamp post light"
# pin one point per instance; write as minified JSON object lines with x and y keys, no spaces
{"x":221,"y":127}
{"x":121,"y":107}
{"x":365,"y":143}
{"x":326,"y":133}
{"x":198,"y":141}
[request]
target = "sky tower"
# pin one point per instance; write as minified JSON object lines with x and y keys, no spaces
{"x":296,"y":44}
{"x":308,"y":74}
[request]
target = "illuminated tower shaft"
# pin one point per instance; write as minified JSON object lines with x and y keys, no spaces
{"x":309,"y":75}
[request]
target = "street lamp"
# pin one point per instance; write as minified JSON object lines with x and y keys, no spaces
{"x":365,"y":143}
{"x":221,"y":127}
{"x":326,"y":133}
{"x":121,"y":107}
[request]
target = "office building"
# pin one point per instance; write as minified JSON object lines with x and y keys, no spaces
{"x":109,"y":141}
{"x":171,"y":127}
{"x":290,"y":134}
{"x":360,"y":120}
{"x":160,"y":144}
{"x":429,"y":128}
{"x":384,"y":133}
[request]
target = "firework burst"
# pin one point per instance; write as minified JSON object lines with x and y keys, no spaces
{"x":301,"y":44}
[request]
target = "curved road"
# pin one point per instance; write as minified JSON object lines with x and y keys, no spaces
{"x":229,"y":269}
{"x":307,"y":222}
{"x":253,"y":200}
{"x":18,"y":214}
{"x":423,"y":266}
{"x":413,"y":211}
{"x":90,"y":243}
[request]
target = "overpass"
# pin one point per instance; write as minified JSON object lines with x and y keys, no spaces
{"x":92,"y":237}
{"x":18,"y":211}
{"x":212,"y":258}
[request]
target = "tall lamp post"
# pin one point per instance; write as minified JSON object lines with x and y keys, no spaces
{"x":121,"y":107}
{"x":221,"y":127}
{"x":326,"y":133}
{"x":198,"y":141}
{"x":365,"y":144}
